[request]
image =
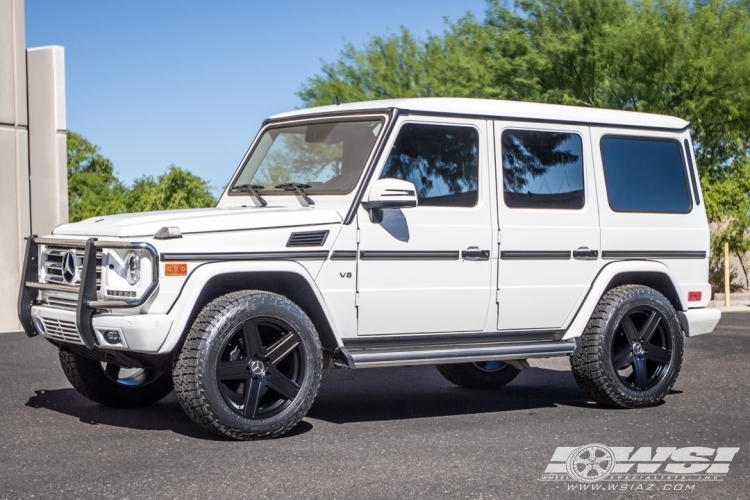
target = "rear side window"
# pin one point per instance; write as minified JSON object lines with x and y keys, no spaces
{"x":542,"y":169}
{"x":645,"y":175}
{"x":442,"y":161}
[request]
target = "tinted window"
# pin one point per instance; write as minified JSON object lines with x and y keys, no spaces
{"x":542,"y":169}
{"x":645,"y":175}
{"x":441,"y":161}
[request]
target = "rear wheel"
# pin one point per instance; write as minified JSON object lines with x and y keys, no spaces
{"x":112,"y":385}
{"x":480,"y":375}
{"x":631,"y":349}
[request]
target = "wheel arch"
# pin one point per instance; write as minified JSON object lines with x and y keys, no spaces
{"x":211,"y":281}
{"x":647,"y":273}
{"x":659,"y":281}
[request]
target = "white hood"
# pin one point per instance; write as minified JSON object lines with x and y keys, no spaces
{"x":198,"y":220}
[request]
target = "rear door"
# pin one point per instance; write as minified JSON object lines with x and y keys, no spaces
{"x":549,"y":223}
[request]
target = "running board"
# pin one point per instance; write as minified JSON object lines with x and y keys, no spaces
{"x":374,"y":358}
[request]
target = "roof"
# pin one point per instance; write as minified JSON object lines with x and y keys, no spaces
{"x":504,"y":110}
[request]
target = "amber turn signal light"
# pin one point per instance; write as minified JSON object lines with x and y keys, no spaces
{"x":177,"y":269}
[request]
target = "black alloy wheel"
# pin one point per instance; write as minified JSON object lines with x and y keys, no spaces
{"x":260,"y":368}
{"x":491,"y":366}
{"x":631,"y":349}
{"x":250,"y":367}
{"x":131,"y":377}
{"x":642,"y":348}
{"x":485,"y":375}
{"x":112,"y":385}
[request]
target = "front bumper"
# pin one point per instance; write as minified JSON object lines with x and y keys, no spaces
{"x":699,"y":321}
{"x":141,"y":333}
{"x":82,"y":326}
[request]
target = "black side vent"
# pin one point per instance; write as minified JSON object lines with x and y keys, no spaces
{"x":307,"y":239}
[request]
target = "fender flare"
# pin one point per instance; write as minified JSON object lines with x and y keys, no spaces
{"x":191,"y":291}
{"x":601,"y":284}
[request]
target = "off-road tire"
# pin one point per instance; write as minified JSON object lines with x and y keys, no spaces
{"x":88,"y":377}
{"x":195,"y":373}
{"x":593,"y":367}
{"x":471,"y":376}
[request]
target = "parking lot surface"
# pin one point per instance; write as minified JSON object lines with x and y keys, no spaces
{"x":377,"y":433}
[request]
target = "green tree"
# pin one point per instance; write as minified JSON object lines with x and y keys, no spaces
{"x":176,"y":188}
{"x":677,"y":57}
{"x":94,"y":189}
{"x":389,"y":66}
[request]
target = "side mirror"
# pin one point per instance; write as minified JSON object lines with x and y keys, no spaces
{"x":389,"y":193}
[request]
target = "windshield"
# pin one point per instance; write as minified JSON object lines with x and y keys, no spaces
{"x":327,"y":158}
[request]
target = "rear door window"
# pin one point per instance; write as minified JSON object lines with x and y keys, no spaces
{"x":542,"y":169}
{"x":645,"y":175}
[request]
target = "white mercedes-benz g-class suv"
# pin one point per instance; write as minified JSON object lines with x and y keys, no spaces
{"x":469,"y":234}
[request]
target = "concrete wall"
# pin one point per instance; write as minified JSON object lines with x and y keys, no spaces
{"x":33,"y":165}
{"x":47,"y":143}
{"x":15,"y":207}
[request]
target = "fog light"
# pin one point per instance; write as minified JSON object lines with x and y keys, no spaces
{"x":112,"y":336}
{"x":39,"y":325}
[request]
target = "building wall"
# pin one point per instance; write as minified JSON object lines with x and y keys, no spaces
{"x":33,"y":166}
{"x":45,"y":68}
{"x":15,"y":207}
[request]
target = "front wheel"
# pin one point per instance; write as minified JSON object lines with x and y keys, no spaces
{"x":250,"y":367}
{"x":631,"y":349}
{"x":111,"y":385}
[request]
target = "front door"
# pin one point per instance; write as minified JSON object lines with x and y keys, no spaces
{"x":549,"y":223}
{"x":414,"y":274}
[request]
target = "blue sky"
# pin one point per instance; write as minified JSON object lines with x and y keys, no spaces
{"x":189,"y":82}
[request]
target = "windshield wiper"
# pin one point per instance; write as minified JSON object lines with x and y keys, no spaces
{"x":252,"y":189}
{"x":302,"y":197}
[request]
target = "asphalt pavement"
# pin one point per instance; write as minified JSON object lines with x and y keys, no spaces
{"x":373,"y":433}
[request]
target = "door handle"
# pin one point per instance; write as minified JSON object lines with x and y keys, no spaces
{"x":583,"y":253}
{"x":474,"y":253}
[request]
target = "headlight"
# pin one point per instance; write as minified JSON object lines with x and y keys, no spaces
{"x":132,"y":268}
{"x":127,"y":273}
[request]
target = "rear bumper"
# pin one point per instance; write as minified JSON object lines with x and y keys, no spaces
{"x":699,"y":321}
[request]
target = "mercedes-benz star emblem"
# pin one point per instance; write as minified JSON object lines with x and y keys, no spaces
{"x":70,"y":267}
{"x":257,"y":367}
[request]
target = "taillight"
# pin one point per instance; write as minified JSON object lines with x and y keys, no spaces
{"x":695,"y":296}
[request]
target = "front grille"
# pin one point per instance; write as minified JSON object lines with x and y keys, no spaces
{"x":65,"y":331}
{"x":52,"y":264}
{"x":58,"y":302}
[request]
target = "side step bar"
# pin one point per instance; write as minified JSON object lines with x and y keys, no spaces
{"x":373,"y":358}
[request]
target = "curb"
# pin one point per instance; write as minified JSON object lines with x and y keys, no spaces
{"x":734,"y":309}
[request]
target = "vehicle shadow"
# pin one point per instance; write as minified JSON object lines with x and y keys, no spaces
{"x":348,"y":396}
{"x":166,"y":415}
{"x":421,"y":392}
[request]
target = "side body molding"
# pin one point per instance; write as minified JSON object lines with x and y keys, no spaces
{"x":601,"y":282}
{"x":191,"y":292}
